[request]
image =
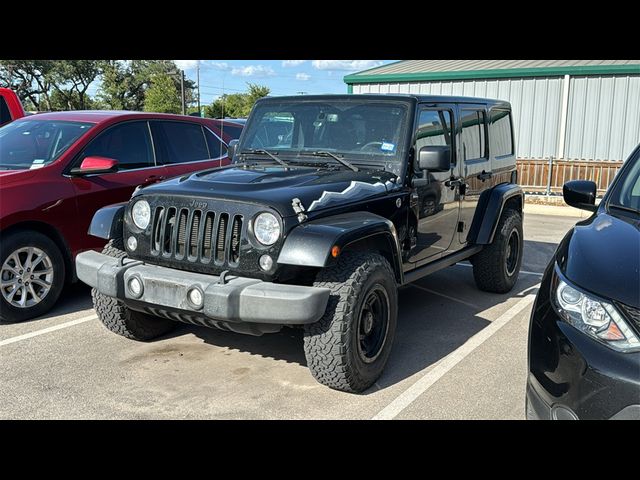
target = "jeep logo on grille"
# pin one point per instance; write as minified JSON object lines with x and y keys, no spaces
{"x":197,"y":204}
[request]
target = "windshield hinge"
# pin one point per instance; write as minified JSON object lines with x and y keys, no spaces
{"x":299,"y":209}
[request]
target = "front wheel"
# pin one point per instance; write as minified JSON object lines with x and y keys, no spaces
{"x":348,"y":347}
{"x":119,"y":318}
{"x":496,"y":266}
{"x":32,"y":275}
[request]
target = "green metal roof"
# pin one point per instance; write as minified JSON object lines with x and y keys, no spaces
{"x":424,"y":70}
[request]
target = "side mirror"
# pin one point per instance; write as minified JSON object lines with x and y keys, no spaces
{"x":580,"y":194}
{"x":94,"y":165}
{"x":435,"y":158}
{"x":231,"y":149}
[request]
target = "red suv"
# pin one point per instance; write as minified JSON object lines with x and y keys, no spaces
{"x":10,"y":106}
{"x":57,"y":169}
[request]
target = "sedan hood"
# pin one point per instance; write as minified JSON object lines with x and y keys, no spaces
{"x":11,"y":176}
{"x":602,"y":255}
{"x":276,"y":187}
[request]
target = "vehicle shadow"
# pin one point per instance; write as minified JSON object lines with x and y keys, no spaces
{"x":430,"y":326}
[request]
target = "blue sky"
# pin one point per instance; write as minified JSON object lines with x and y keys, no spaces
{"x":283,"y":77}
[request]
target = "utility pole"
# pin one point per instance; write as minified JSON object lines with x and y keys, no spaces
{"x":198,"y":80}
{"x":184,"y":111}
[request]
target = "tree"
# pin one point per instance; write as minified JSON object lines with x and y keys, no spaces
{"x":71,"y":80}
{"x":30,"y":79}
{"x":162,"y":96}
{"x":236,"y":104}
{"x":125,"y":83}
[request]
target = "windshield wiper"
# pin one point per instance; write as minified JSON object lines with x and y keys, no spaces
{"x":324,"y":153}
{"x":623,"y":208}
{"x":260,"y":151}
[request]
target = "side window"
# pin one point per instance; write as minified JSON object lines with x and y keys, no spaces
{"x":473,"y":134}
{"x":217,"y":147}
{"x":233,"y":131}
{"x":129,"y":143}
{"x":5,"y":115}
{"x":434,"y":128}
{"x":182,"y":142}
{"x":500,"y":138}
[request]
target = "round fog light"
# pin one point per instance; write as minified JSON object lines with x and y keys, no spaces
{"x":266,"y":262}
{"x":132,"y":243}
{"x":135,"y":286}
{"x":195,"y":297}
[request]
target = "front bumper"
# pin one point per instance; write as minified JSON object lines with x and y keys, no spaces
{"x":235,"y":300}
{"x":572,"y":376}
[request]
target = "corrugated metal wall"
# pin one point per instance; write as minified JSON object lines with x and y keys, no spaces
{"x":609,"y":131}
{"x":603,"y":120}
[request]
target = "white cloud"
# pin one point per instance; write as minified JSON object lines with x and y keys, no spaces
{"x":292,"y":63}
{"x":220,"y":65}
{"x":186,"y":64}
{"x":253,"y":71}
{"x":302,"y":76}
{"x":345,"y":64}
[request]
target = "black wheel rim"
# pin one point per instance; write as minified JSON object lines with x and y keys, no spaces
{"x":373,"y":324}
{"x":513,"y":252}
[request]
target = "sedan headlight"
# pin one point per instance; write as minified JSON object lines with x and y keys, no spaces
{"x":141,"y":214}
{"x":266,"y":228}
{"x":591,"y":315}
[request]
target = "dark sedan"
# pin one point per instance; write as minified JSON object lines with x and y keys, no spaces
{"x":584,"y":337}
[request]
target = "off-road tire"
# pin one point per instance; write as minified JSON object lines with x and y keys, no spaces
{"x":31,"y":238}
{"x":490,"y":264}
{"x":330,"y":344}
{"x":120,"y":319}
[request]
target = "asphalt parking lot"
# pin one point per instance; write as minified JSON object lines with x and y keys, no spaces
{"x":459,"y":354}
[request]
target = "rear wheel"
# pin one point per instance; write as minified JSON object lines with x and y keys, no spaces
{"x":348,"y":347}
{"x":496,"y":267}
{"x":32,"y":275}
{"x":119,"y":318}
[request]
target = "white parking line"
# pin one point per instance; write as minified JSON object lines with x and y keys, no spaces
{"x":407,"y":397}
{"x":521,"y":271}
{"x":445,"y":296}
{"x":37,"y":333}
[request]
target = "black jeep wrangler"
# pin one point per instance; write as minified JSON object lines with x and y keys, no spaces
{"x":330,"y":204}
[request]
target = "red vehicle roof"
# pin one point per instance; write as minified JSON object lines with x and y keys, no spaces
{"x":99,"y":116}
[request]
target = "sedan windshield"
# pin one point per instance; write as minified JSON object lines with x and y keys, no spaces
{"x":361,"y":132}
{"x":626,"y":193}
{"x":29,"y":144}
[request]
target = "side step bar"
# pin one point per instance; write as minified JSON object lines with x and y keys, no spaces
{"x":445,"y":262}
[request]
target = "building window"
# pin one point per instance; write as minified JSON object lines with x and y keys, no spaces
{"x":501,"y":137}
{"x":473,"y":134}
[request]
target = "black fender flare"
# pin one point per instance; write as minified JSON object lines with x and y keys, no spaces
{"x":310,"y":244}
{"x":107,"y":222}
{"x":489,"y":210}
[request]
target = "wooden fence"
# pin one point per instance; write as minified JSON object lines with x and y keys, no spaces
{"x":533,"y":175}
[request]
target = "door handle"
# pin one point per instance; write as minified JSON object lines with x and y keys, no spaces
{"x":153,"y":179}
{"x":484,"y":175}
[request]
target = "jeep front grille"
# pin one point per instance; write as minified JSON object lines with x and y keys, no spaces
{"x":196,"y":235}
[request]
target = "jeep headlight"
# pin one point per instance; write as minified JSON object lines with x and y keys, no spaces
{"x":591,"y":315}
{"x":141,"y":214}
{"x":266,"y":228}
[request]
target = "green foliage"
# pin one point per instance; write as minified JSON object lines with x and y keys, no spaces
{"x":162,"y":96}
{"x":236,"y":105}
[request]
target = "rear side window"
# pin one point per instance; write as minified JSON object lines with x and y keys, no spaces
{"x":233,"y":130}
{"x":217,"y":148}
{"x":181,"y":142}
{"x":473,"y":134}
{"x":128,"y":143}
{"x":5,"y":115}
{"x":501,"y":138}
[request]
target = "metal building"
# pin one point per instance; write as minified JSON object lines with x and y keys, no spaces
{"x":567,"y":109}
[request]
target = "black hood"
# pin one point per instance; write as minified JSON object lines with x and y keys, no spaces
{"x":276,"y":186}
{"x":602,"y":255}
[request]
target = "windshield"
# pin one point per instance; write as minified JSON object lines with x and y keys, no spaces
{"x":626,"y":193}
{"x":364,"y":133}
{"x":29,"y":144}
